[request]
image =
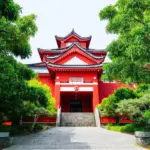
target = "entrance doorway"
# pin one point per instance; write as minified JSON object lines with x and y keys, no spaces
{"x":80,"y":103}
{"x":75,"y":106}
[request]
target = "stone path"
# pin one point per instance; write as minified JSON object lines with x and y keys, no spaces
{"x":75,"y":138}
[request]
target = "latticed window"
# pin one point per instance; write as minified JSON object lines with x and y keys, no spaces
{"x":76,"y":79}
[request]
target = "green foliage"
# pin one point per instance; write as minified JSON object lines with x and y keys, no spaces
{"x":126,"y":102}
{"x":108,"y":12}
{"x":32,"y":109}
{"x":146,"y":117}
{"x":128,"y":128}
{"x":13,"y":86}
{"x":37,"y":95}
{"x":40,"y":127}
{"x":125,"y":93}
{"x":143,"y":88}
{"x":15,"y":31}
{"x":129,"y":19}
{"x":42,"y":94}
{"x":135,"y":108}
{"x":109,"y":105}
{"x":17,"y":96}
{"x":35,"y":110}
{"x":22,"y":129}
{"x":14,"y":37}
{"x":129,"y":108}
{"x":39,"y":101}
{"x":9,"y":9}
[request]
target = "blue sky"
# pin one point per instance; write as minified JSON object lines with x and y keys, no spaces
{"x":59,"y":17}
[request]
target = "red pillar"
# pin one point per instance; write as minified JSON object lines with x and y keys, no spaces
{"x":57,"y":95}
{"x":95,"y":96}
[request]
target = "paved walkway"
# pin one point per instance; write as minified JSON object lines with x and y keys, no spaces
{"x":75,"y":138}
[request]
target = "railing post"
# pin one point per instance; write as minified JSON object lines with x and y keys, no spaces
{"x":58,"y":117}
{"x":97,"y":117}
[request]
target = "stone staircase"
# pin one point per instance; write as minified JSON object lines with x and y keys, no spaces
{"x":78,"y":120}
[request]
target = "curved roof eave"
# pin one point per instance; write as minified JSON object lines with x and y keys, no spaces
{"x":76,"y":44}
{"x":74,"y":66}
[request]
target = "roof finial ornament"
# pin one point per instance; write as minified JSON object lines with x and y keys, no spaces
{"x":73,"y":30}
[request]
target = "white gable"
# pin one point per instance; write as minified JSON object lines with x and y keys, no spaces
{"x":75,"y":61}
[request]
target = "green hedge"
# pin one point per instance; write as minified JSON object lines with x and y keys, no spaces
{"x":128,"y":128}
{"x":22,"y":129}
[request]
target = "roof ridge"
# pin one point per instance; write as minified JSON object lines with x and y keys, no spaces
{"x":72,"y":32}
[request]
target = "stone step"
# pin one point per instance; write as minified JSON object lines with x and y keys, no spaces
{"x":78,"y":119}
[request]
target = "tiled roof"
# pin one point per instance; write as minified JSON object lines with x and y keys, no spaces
{"x":83,"y":49}
{"x":74,"y":66}
{"x":74,"y":33}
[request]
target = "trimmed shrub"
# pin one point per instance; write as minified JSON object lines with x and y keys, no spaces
{"x":22,"y":129}
{"x":125,"y":93}
{"x":128,"y":128}
{"x":146,"y":118}
{"x":39,"y":127}
{"x":108,"y":106}
{"x":143,"y":88}
{"x":135,"y":108}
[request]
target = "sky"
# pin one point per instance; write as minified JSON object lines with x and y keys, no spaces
{"x":59,"y":17}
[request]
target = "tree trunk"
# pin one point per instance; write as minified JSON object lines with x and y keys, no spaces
{"x":21,"y":120}
{"x":34,"y":121}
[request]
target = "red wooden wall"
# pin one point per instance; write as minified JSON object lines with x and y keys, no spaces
{"x":46,"y":79}
{"x":108,"y":88}
{"x":105,"y":88}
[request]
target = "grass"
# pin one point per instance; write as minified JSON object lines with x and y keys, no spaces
{"x":128,"y":128}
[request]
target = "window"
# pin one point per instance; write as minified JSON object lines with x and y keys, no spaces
{"x":76,"y":79}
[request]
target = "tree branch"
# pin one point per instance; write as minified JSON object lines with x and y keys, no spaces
{"x":2,"y":30}
{"x":144,"y":69}
{"x":135,"y":19}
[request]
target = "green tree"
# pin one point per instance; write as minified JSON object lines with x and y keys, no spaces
{"x":143,"y":88}
{"x":33,"y":110}
{"x":125,"y":93}
{"x":9,"y":9}
{"x":19,"y":95}
{"x":41,"y":93}
{"x":109,"y":105}
{"x":15,"y":33}
{"x":130,"y":20}
{"x":38,"y":101}
{"x":137,"y":109}
{"x":13,"y":86}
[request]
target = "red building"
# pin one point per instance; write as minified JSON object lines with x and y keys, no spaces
{"x":73,"y":72}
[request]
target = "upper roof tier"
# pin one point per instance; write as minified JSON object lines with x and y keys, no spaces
{"x":57,"y":53}
{"x":66,"y":41}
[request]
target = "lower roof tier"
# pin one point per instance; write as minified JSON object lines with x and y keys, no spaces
{"x":53,"y":68}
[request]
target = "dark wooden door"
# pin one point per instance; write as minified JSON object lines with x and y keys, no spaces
{"x":75,"y":106}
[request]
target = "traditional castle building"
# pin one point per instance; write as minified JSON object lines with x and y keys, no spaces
{"x":73,"y":73}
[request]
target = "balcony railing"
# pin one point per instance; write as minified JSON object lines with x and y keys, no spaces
{"x":76,"y":82}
